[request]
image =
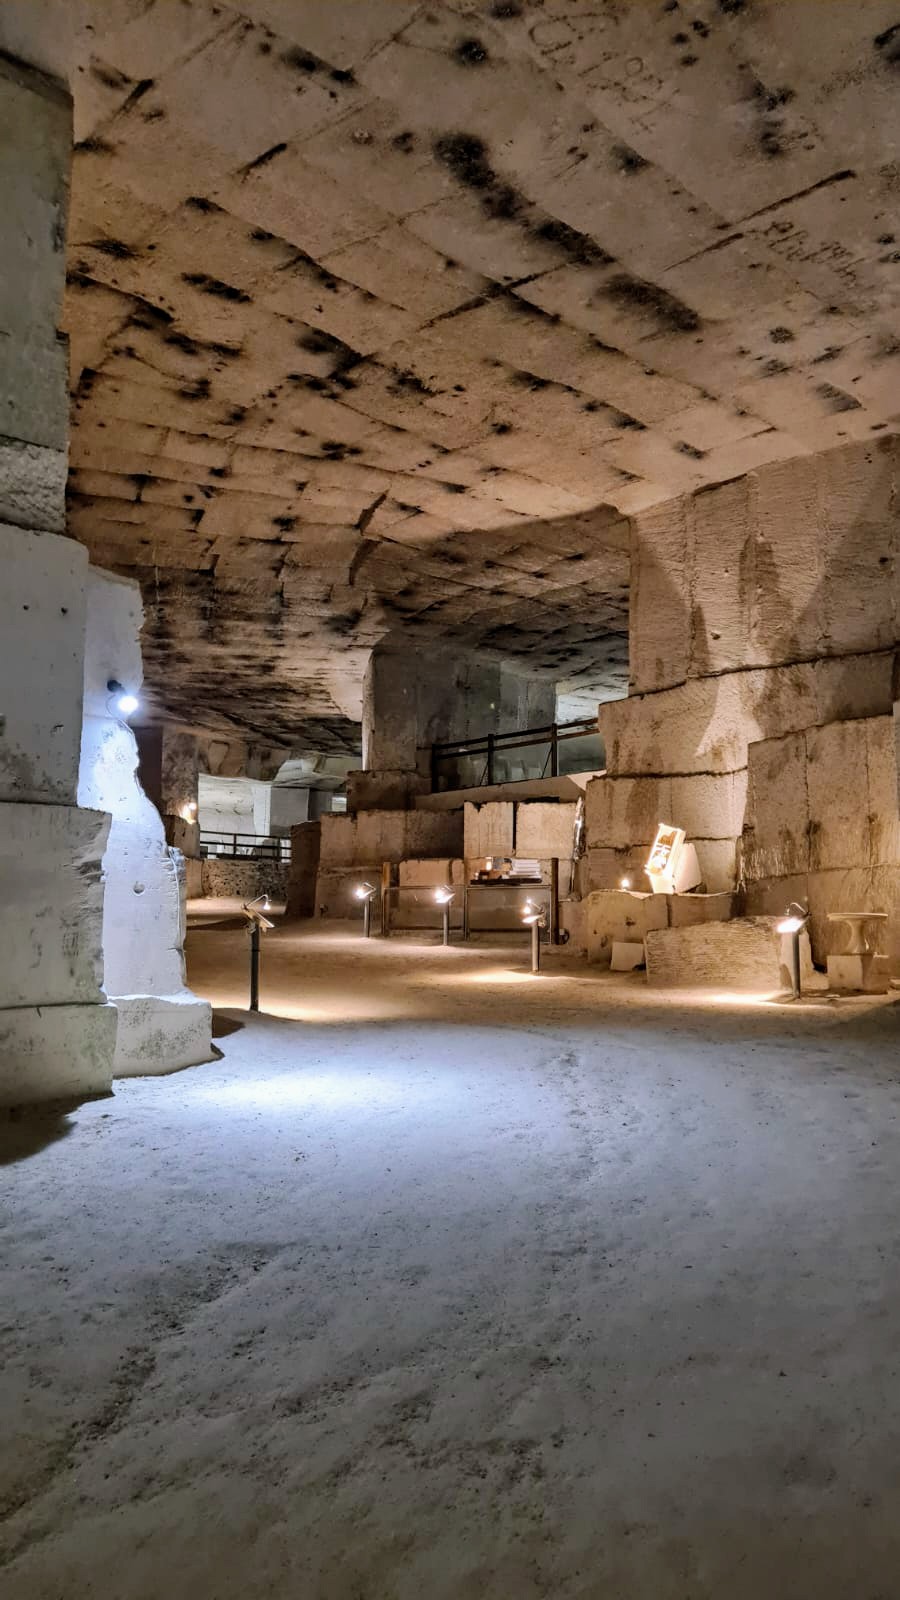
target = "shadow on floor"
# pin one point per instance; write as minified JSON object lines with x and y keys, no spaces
{"x":29,"y":1131}
{"x":223,"y":1025}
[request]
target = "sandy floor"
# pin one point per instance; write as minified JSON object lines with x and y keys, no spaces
{"x":461,"y":1285}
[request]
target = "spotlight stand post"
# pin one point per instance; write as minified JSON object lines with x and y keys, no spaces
{"x":367,"y":917}
{"x":795,"y":965}
{"x":535,"y":946}
{"x":445,"y":921}
{"x":254,"y":965}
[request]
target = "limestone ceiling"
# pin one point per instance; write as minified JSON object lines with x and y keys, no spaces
{"x":387,"y":315}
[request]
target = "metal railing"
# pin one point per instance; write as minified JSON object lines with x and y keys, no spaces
{"x":474,"y":763}
{"x":244,"y":846}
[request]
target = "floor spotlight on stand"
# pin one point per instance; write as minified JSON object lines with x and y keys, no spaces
{"x":792,"y":923}
{"x":366,"y":892}
{"x":256,"y":924}
{"x":535,"y":918}
{"x":444,"y":897}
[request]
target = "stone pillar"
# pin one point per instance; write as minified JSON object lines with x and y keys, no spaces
{"x":57,"y":1034}
{"x":161,"y":1025}
{"x":411,"y":702}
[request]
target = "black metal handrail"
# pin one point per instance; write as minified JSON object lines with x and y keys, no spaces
{"x":493,"y":744}
{"x":244,"y":846}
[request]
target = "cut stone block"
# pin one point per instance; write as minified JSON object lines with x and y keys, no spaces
{"x":488,"y":829}
{"x":626,"y":957}
{"x":718,"y":864}
{"x":707,"y":806}
{"x":737,"y":956}
{"x":42,"y":625}
{"x":51,"y":887}
{"x":418,"y":873}
{"x":620,"y":812}
{"x":544,"y":830}
{"x":689,"y":910}
{"x":158,"y":1034}
{"x":372,"y":837}
{"x":222,"y":878}
{"x":836,"y":777}
{"x":56,"y":1052}
{"x":776,"y":834}
{"x":605,"y":869}
{"x":33,"y":486}
{"x":621,"y":916}
{"x":865,"y":974}
{"x":706,"y":724}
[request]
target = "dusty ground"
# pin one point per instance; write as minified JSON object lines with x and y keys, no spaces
{"x":465,"y":1285}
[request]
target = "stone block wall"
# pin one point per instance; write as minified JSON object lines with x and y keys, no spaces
{"x":823,"y":826}
{"x":57,"y":1034}
{"x":763,"y":612}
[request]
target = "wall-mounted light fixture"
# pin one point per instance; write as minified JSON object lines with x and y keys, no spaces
{"x":188,"y":812}
{"x":125,"y":703}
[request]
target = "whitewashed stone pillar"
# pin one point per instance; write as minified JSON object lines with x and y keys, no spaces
{"x":162,"y":1025}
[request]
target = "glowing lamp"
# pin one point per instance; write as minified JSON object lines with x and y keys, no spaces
{"x":624,"y":883}
{"x":535,"y":918}
{"x":125,"y":702}
{"x":444,"y":895}
{"x":366,"y":893}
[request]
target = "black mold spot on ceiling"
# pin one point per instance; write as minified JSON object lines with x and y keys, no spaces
{"x":301,"y":59}
{"x":580,"y":247}
{"x":628,"y":160}
{"x":471,"y":53}
{"x":264,"y":159}
{"x":95,"y":146}
{"x":836,"y":399}
{"x":637,"y":294}
{"x":888,"y":45}
{"x":215,"y":287}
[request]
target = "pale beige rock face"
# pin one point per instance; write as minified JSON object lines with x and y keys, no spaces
{"x":823,"y":826}
{"x":488,"y":829}
{"x":744,"y":954}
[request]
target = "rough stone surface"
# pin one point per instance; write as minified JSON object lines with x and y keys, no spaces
{"x":544,"y":830}
{"x":56,"y":1052}
{"x":743,"y":954}
{"x":621,"y":917}
{"x":706,"y":725}
{"x":52,"y":891}
{"x":244,"y":878}
{"x":489,"y":829}
{"x":42,"y":622}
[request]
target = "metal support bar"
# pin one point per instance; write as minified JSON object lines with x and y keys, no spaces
{"x":535,"y":946}
{"x":367,"y":917}
{"x":385,"y":899}
{"x":466,"y":903}
{"x":490,"y":758}
{"x":445,"y":921}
